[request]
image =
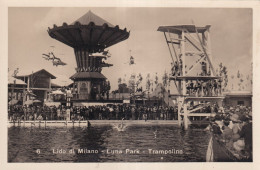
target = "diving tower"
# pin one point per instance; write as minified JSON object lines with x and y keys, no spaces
{"x":189,"y":48}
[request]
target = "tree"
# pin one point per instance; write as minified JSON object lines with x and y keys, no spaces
{"x":165,"y":80}
{"x":232,"y":77}
{"x":124,"y":79}
{"x":241,"y":80}
{"x":156,"y":79}
{"x":14,"y":75}
{"x":148,"y":85}
{"x":139,"y":79}
{"x":131,"y":83}
{"x":238,"y":74}
{"x":223,"y":73}
{"x":148,"y":82}
{"x":119,"y":81}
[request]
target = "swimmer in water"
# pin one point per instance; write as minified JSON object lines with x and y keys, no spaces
{"x":89,"y":124}
{"x":120,"y":126}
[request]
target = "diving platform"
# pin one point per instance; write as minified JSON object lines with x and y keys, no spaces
{"x":192,"y":43}
{"x":177,"y":29}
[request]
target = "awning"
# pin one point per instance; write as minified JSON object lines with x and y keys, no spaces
{"x":57,"y":92}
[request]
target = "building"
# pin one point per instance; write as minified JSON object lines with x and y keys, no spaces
{"x":39,"y":82}
{"x":16,"y":89}
{"x":235,"y":98}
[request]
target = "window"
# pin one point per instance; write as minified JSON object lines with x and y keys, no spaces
{"x":83,"y":88}
{"x":240,"y":103}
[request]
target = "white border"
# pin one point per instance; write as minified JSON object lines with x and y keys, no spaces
{"x":4,"y":4}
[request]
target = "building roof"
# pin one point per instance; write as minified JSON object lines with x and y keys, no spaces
{"x":53,"y":85}
{"x":17,"y":81}
{"x":87,"y":75}
{"x":27,"y":73}
{"x":239,"y":94}
{"x":91,"y":17}
{"x":177,"y":29}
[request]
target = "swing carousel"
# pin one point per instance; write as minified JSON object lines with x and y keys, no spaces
{"x":89,"y":36}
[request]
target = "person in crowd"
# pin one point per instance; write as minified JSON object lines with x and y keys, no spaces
{"x":181,"y":65}
{"x":191,"y":87}
{"x":246,"y":134}
{"x":40,"y":117}
{"x":31,"y":117}
{"x":203,"y":68}
{"x":204,"y":88}
{"x":215,"y":87}
{"x":236,"y":130}
{"x":219,"y":88}
{"x":58,"y":113}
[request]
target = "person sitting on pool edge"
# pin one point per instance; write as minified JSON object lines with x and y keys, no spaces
{"x":40,"y":117}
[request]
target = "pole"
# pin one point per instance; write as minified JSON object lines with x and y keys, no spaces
{"x":185,"y":114}
{"x":169,"y":47}
{"x":179,"y":111}
{"x":186,"y":126}
{"x":12,"y":92}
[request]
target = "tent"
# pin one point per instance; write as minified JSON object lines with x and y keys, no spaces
{"x":57,"y":92}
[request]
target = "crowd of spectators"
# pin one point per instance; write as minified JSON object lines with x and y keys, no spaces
{"x":233,"y":127}
{"x":202,"y":88}
{"x":109,"y":112}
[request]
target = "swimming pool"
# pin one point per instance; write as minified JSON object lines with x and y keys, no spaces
{"x":104,"y":143}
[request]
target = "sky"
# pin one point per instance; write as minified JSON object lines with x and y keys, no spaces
{"x":231,"y":39}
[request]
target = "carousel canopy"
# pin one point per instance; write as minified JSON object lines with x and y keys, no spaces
{"x":91,"y":17}
{"x":88,"y":75}
{"x":89,"y":32}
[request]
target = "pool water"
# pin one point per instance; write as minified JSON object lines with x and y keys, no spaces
{"x":104,"y":143}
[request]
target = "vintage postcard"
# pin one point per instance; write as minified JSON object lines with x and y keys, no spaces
{"x":152,"y":86}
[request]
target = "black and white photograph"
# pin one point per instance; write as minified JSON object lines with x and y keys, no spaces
{"x":129,"y":84}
